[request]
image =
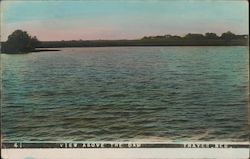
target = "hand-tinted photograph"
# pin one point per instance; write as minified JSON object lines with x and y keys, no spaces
{"x":124,"y":71}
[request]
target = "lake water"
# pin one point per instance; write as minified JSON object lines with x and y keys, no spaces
{"x":126,"y":94}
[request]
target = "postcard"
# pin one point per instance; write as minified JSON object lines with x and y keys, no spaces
{"x":127,"y":79}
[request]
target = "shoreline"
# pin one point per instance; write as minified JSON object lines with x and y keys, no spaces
{"x":133,"y":43}
{"x":56,"y":45}
{"x":42,"y":50}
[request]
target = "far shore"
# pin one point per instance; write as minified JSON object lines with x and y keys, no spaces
{"x":12,"y":45}
{"x":33,"y":51}
{"x":147,"y":42}
{"x":42,"y":50}
{"x":56,"y":45}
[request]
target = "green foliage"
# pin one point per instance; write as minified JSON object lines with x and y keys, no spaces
{"x":194,"y":36}
{"x":228,"y":35}
{"x":211,"y":36}
{"x":20,"y":42}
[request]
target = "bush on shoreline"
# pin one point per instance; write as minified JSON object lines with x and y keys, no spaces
{"x":19,"y":42}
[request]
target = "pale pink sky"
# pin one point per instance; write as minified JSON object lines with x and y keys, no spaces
{"x":90,"y":20}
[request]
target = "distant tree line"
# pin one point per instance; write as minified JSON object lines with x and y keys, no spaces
{"x":21,"y":42}
{"x":208,"y":36}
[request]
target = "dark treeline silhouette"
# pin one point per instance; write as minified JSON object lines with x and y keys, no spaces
{"x":21,"y":42}
{"x":208,"y":39}
{"x":208,"y":36}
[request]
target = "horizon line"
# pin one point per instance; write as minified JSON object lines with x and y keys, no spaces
{"x":139,"y":38}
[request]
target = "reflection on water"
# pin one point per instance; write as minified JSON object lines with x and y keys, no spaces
{"x":126,"y":93}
